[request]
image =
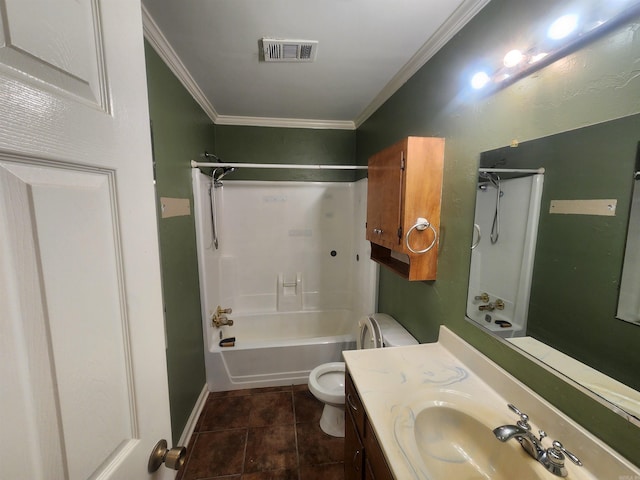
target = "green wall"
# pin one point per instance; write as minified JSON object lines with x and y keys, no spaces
{"x":181,"y":132}
{"x":579,"y":258}
{"x":239,"y":144}
{"x":590,"y":86}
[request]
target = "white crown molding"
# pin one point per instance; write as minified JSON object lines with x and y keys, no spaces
{"x":285,"y":122}
{"x":454,"y":23}
{"x":161,"y":45}
{"x":447,"y":30}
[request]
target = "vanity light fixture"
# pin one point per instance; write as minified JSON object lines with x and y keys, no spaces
{"x":565,"y":34}
{"x":537,"y":57}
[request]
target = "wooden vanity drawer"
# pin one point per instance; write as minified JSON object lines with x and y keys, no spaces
{"x":353,"y":404}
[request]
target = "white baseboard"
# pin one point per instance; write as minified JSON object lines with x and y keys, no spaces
{"x":193,"y":418}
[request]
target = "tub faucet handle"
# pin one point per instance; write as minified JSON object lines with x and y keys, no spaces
{"x":483,"y":297}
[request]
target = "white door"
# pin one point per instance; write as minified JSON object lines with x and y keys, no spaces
{"x":83,"y":384}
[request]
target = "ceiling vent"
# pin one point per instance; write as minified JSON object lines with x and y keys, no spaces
{"x":289,"y":50}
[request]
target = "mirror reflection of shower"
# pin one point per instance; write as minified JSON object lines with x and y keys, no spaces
{"x":493,"y":179}
{"x":508,"y":206}
{"x":217,"y":174}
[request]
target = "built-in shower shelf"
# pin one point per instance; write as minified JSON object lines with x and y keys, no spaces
{"x":404,"y":196}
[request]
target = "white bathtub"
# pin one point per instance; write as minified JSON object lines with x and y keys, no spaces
{"x":276,"y":349}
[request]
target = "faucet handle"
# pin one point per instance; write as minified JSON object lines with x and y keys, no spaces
{"x":483,"y":297}
{"x":557,"y":450}
{"x":524,"y":418}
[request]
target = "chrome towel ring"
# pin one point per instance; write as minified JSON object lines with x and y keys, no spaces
{"x":421,"y":225}
{"x":476,"y":227}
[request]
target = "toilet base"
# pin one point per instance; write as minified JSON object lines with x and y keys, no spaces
{"x":332,"y":420}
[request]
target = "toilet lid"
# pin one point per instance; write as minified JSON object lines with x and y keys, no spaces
{"x":370,"y":335}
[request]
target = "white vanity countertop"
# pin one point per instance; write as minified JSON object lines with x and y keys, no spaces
{"x":390,"y":381}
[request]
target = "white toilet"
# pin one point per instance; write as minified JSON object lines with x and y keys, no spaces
{"x":326,"y":381}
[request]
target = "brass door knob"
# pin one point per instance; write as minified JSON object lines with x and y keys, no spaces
{"x":160,"y":454}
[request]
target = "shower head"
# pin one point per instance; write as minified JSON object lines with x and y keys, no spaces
{"x":490,"y":177}
{"x":221,"y":172}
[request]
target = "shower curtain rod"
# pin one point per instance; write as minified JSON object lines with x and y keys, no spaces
{"x":195,"y":164}
{"x":512,"y":170}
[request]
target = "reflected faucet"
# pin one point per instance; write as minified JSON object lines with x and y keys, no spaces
{"x":552,"y":458}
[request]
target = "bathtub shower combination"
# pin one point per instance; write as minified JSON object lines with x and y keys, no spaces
{"x":293,"y":265}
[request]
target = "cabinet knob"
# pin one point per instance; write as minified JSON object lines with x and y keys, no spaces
{"x":377,"y":231}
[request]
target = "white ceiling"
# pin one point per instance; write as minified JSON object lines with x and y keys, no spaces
{"x":366,"y":50}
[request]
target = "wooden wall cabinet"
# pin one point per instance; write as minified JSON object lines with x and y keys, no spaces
{"x":363,"y":457}
{"x":404,"y":184}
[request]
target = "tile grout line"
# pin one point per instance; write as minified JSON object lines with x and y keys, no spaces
{"x":186,"y":465}
{"x":295,"y":431}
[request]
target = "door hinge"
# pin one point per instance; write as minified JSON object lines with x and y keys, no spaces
{"x":400,"y":232}
{"x":402,"y":160}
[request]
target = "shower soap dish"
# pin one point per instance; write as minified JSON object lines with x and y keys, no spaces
{"x":227,"y":342}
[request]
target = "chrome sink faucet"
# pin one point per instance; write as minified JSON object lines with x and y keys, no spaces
{"x":552,"y":458}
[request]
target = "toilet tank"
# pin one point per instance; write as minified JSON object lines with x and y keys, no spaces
{"x":393,"y":334}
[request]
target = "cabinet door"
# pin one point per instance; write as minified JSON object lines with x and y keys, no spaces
{"x":384,"y":196}
{"x":376,"y":467}
{"x":353,"y":450}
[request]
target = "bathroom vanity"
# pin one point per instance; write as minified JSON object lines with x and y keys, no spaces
{"x":429,"y":412}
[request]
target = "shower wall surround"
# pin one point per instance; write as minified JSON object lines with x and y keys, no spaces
{"x":286,"y":246}
{"x":295,"y":233}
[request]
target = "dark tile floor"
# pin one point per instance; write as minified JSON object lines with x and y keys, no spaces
{"x":262,"y":434}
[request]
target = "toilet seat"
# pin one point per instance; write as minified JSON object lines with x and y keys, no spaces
{"x":370,"y":335}
{"x":330,"y":389}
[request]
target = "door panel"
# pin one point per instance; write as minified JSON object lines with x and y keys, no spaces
{"x":71,"y":228}
{"x":67,"y":52}
{"x":82,"y":346}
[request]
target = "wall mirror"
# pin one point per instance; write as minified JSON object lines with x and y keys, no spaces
{"x":571,"y":237}
{"x":629,"y":299}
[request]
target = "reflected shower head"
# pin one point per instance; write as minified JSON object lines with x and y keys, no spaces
{"x":492,"y":178}
{"x":223,"y":172}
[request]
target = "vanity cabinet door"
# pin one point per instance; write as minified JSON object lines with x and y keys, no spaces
{"x":376,"y":467}
{"x":354,"y":405}
{"x":363,"y":457}
{"x":353,"y":450}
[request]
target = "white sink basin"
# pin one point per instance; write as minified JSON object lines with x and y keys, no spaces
{"x":454,"y":440}
{"x":456,"y":445}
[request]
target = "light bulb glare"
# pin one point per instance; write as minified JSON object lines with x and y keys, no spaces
{"x":479,"y":80}
{"x":512,"y":58}
{"x":563,"y":27}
